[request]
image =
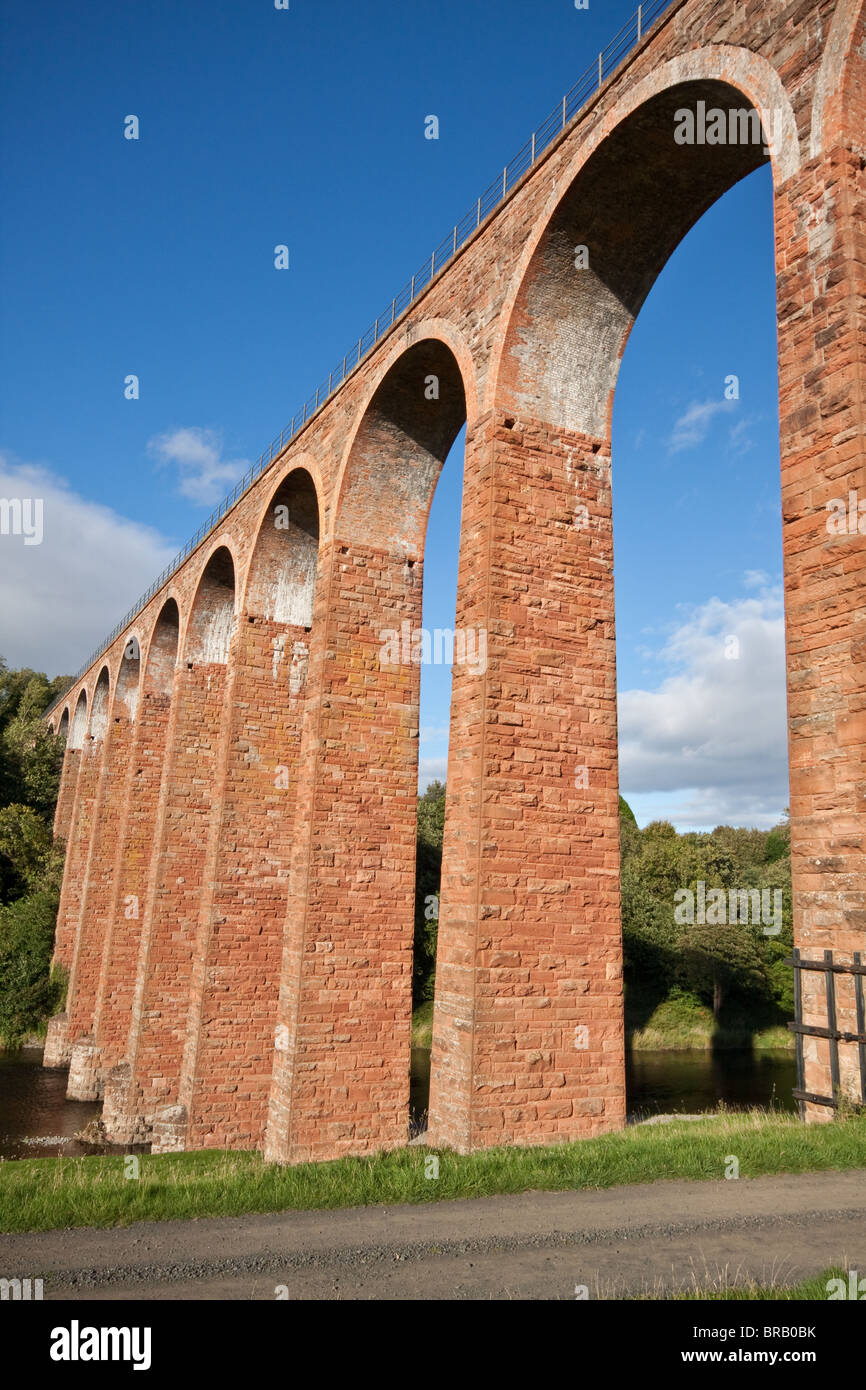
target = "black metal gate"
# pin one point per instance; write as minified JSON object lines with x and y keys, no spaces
{"x":830,"y":969}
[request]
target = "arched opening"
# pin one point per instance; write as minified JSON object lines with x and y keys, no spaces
{"x":545,"y":991}
{"x":401,"y":445}
{"x":100,"y":707}
{"x":211,"y":623}
{"x":282,"y":581}
{"x":128,"y":677}
{"x":263,"y":729}
{"x":356,"y":809}
{"x":147,"y":763}
{"x":413,"y":443}
{"x":611,"y":234}
{"x":406,"y":471}
{"x":703,"y":756}
{"x":78,"y":728}
{"x":162,"y":651}
{"x":173,"y":932}
{"x":439,"y":604}
{"x":63,"y":727}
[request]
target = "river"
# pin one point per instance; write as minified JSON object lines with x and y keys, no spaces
{"x":36,"y":1119}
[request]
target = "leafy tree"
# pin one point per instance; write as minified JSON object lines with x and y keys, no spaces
{"x":29,"y":992}
{"x":629,"y":834}
{"x":648,"y":935}
{"x":428,"y":874}
{"x":31,"y":862}
{"x":717,"y":961}
{"x":431,"y":814}
{"x":29,"y":848}
{"x":778,"y":843}
{"x":736,"y":962}
{"x":30,"y":755}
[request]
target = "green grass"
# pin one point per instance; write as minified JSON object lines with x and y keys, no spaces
{"x":727,"y":1287}
{"x":682,"y":1023}
{"x":46,"y":1193}
{"x":422,"y":1025}
{"x":815,"y":1290}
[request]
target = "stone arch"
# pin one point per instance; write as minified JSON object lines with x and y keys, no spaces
{"x":841,"y":76}
{"x":100,"y":706}
{"x":162,"y":650}
{"x":63,"y":726}
{"x":404,"y":432}
{"x":211,"y":621}
{"x":78,"y":726}
{"x":567,"y":324}
{"x":281,"y":576}
{"x":128,"y":681}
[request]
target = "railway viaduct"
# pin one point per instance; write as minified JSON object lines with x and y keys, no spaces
{"x":238,"y":793}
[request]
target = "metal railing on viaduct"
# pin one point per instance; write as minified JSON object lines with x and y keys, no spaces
{"x":493,"y":197}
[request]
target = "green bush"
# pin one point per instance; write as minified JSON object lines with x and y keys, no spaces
{"x":31,"y":861}
{"x":29,"y":992}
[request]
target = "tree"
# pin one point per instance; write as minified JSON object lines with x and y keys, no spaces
{"x":714,"y":963}
{"x":33,"y":857}
{"x":29,"y":992}
{"x":428,"y":874}
{"x":31,"y":862}
{"x":629,"y":833}
{"x":719,"y":960}
{"x":31,"y":757}
{"x":431,"y":814}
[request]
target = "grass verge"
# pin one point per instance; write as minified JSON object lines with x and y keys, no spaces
{"x":815,"y":1290}
{"x":38,"y":1194}
{"x":729,"y":1285}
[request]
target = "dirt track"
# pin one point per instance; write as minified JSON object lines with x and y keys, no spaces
{"x":651,"y":1238}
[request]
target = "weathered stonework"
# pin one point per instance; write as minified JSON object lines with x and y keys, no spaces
{"x":57,"y":1052}
{"x":239,"y":809}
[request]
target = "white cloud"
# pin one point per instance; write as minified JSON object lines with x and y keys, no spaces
{"x":59,"y":599}
{"x":756,"y":579}
{"x":431,"y":770}
{"x":693,"y":426}
{"x":203,"y":474}
{"x":710,"y":743}
{"x":739,"y":440}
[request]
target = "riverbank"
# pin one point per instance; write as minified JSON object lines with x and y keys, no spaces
{"x":45,"y":1194}
{"x":678,"y":1024}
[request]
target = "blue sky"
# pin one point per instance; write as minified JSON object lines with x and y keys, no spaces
{"x":306,"y":127}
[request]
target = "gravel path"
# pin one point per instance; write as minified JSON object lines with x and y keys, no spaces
{"x":648,"y":1238}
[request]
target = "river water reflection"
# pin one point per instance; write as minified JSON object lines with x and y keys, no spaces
{"x":36,"y":1119}
{"x":659,"y":1083}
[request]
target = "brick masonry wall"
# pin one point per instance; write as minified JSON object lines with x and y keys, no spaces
{"x":94,"y":927}
{"x":78,"y":854}
{"x":66,"y":794}
{"x":528,"y":354}
{"x":527,"y":1042}
{"x":341,"y":1079}
{"x":229,"y":1075}
{"x":64,"y":821}
{"x":172,"y":923}
{"x":113,"y":1014}
{"x":821,"y":249}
